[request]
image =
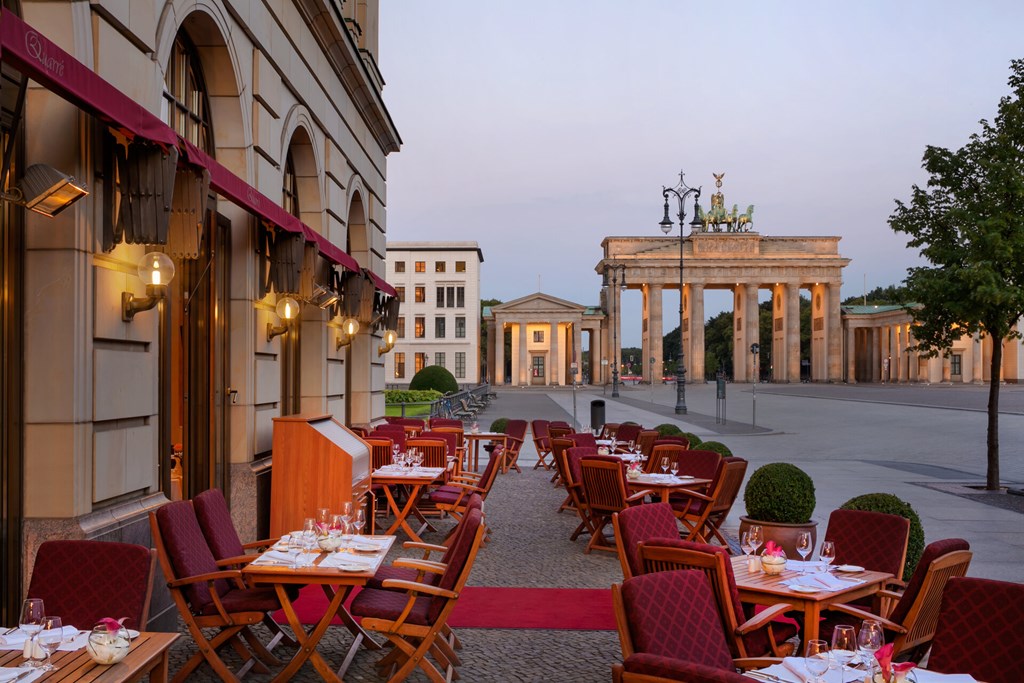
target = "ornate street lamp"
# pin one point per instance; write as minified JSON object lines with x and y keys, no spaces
{"x":680,"y":192}
{"x":612,"y":283}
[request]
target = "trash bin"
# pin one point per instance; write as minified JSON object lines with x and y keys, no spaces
{"x":597,"y":414}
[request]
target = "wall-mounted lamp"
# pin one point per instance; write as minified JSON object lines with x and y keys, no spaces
{"x":324,"y":297}
{"x":45,"y":190}
{"x":156,"y":269}
{"x":390,"y":337}
{"x":287,"y":310}
{"x":349,"y":328}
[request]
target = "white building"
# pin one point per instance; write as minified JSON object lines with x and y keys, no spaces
{"x":438,"y":284}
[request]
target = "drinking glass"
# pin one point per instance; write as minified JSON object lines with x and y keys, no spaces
{"x":803,"y":546}
{"x":816,"y":659}
{"x":745,"y":543}
{"x":869,"y":640}
{"x":50,"y":637}
{"x":631,"y":445}
{"x":360,"y":521}
{"x":844,"y":645}
{"x":664,"y":463}
{"x":756,"y":537}
{"x":394,"y":452}
{"x":337,"y":526}
{"x":828,"y":553}
{"x":674,"y":467}
{"x":417,"y":458}
{"x":31,"y":622}
{"x":323,"y":520}
{"x":308,"y":538}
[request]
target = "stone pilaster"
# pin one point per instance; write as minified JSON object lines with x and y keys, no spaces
{"x":834,"y":332}
{"x":554,"y":371}
{"x":499,"y":351}
{"x":751,"y":323}
{"x":851,"y":355}
{"x":524,"y":365}
{"x":696,"y":323}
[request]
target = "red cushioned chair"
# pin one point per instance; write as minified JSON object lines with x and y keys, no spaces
{"x":445,"y":422}
{"x":672,"y":451}
{"x":734,"y":469}
{"x":515,"y":436}
{"x":604,"y":488}
{"x":980,"y":630}
{"x":381,"y":450}
{"x":910,"y":625}
{"x":452,"y":440}
{"x":873,"y":540}
{"x":389,"y":431}
{"x":693,"y":507}
{"x":120,"y":581}
{"x":645,"y":442}
{"x":542,"y":442}
{"x":453,"y":496}
{"x":574,"y":486}
{"x":558,"y":448}
{"x":669,"y":626}
{"x":674,"y":439}
{"x":585,"y":439}
{"x":208,"y":597}
{"x":637,"y":524}
{"x":415,"y":621}
{"x":757,"y":636}
{"x":629,"y":431}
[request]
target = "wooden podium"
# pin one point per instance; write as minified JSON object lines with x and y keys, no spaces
{"x":318,"y":463}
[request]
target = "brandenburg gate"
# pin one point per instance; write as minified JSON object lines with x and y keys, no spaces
{"x":742,"y":262}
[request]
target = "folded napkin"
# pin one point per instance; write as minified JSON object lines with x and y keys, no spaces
{"x":336,"y":560}
{"x":367,"y":540}
{"x":273,"y":557}
{"x":821,"y":581}
{"x":935,"y":677}
{"x":803,"y":565}
{"x":75,"y":642}
{"x":10,"y":673}
{"x":16,"y":639}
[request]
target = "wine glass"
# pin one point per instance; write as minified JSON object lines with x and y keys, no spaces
{"x":755,"y":536}
{"x":828,"y":553}
{"x":336,"y":527}
{"x":394,"y":452}
{"x":745,"y":544}
{"x":323,"y":521}
{"x":51,"y":635}
{"x":869,"y":640}
{"x":31,"y":622}
{"x":674,"y":467}
{"x":417,"y":459}
{"x":844,"y":644}
{"x":631,"y":445}
{"x":360,"y":521}
{"x":816,"y":659}
{"x":803,"y":546}
{"x":664,"y":464}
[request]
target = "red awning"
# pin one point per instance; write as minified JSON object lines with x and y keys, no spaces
{"x":381,"y":284}
{"x":330,"y":251}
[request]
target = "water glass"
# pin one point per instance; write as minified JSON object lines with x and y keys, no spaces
{"x":870,"y":639}
{"x":803,"y":546}
{"x":31,"y":622}
{"x":664,"y":463}
{"x":360,"y":521}
{"x":50,"y":637}
{"x":816,"y":659}
{"x":828,"y":553}
{"x":844,"y":644}
{"x":756,"y":537}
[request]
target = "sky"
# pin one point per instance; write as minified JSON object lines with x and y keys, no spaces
{"x":537,"y":129}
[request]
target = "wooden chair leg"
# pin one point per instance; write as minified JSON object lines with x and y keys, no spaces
{"x":251,"y":662}
{"x":259,"y":649}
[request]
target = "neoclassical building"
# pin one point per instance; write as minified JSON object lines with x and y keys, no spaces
{"x":247,"y":142}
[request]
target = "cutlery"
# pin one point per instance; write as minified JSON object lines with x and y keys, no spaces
{"x":767,"y":677}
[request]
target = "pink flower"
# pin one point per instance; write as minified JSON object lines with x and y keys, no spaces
{"x":772,"y":549}
{"x":112,"y":625}
{"x":884,"y":657}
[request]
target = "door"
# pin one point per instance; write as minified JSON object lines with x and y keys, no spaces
{"x":537,"y":374}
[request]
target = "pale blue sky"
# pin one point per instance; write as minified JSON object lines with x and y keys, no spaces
{"x":539,"y":128}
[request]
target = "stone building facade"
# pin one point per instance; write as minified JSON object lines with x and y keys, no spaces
{"x":275,"y":115}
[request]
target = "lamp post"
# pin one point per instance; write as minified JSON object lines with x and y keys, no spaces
{"x":680,"y":192}
{"x":755,"y":349}
{"x":612,"y":283}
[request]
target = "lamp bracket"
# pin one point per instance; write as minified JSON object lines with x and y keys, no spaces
{"x":342,"y":340}
{"x":275,"y":330}
{"x":130,"y":304}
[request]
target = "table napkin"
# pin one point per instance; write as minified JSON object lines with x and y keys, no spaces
{"x":8,"y":673}
{"x":803,"y":565}
{"x":273,"y":557}
{"x":935,"y":677}
{"x":335,"y":560}
{"x":369,"y":540}
{"x":75,"y":642}
{"x":822,"y":581}
{"x":16,"y":639}
{"x":792,"y":669}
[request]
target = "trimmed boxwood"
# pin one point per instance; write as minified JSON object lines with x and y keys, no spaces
{"x":893,"y":505}
{"x":668,"y":430}
{"x":499,"y":425}
{"x":715,"y":446}
{"x":695,"y":441}
{"x":434,"y":377}
{"x":780,"y":492}
{"x":405,"y":396}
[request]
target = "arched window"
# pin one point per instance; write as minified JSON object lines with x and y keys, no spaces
{"x":188,"y":111}
{"x":290,"y":190}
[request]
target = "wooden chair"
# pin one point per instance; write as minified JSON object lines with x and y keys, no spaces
{"x":628,"y":431}
{"x":434,"y":450}
{"x":389,"y":431}
{"x":604,"y":488}
{"x":979,"y":630}
{"x":452,"y":440}
{"x":725,"y":497}
{"x":435,"y":422}
{"x":208,"y":597}
{"x":911,"y":623}
{"x":672,"y":451}
{"x":119,"y":582}
{"x":693,"y":507}
{"x":558,"y":431}
{"x":460,"y":441}
{"x":583,"y":439}
{"x":670,"y":630}
{"x":558,"y":448}
{"x":645,"y":441}
{"x":676,"y":439}
{"x":873,"y":540}
{"x":759,"y":636}
{"x":414,"y":621}
{"x":542,"y":442}
{"x":453,"y":496}
{"x":515,"y":435}
{"x":572,"y":458}
{"x":381,"y":450}
{"x":637,"y":524}
{"x":608,"y":430}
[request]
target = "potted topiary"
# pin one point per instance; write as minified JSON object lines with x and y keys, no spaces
{"x":780,"y":498}
{"x":667,"y":429}
{"x":694,"y":440}
{"x":715,"y":446}
{"x":499,"y":425}
{"x":893,"y":505}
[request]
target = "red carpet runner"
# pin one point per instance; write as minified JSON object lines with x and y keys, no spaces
{"x":575,"y":609}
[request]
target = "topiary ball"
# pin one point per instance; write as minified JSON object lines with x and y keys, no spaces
{"x":893,"y":505}
{"x":434,"y":377}
{"x":668,"y":430}
{"x":780,"y":492}
{"x":715,"y":446}
{"x":695,"y":441}
{"x":499,"y":425}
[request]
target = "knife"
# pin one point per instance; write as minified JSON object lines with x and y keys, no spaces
{"x":23,"y":674}
{"x":767,"y":676}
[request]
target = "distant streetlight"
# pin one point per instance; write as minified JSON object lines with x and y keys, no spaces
{"x":611,"y":283}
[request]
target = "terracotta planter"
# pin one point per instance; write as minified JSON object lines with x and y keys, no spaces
{"x":783,"y":534}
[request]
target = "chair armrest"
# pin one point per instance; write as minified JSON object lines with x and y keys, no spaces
{"x":863,"y":614}
{"x":227,"y":574}
{"x":761,"y":620}
{"x":747,"y":663}
{"x":896,"y":583}
{"x":423,"y":588}
{"x":236,"y":560}
{"x":420,"y":565}
{"x":265,"y":543}
{"x":892,"y":595}
{"x":696,"y":495}
{"x":639,"y":495}
{"x":428,"y":547}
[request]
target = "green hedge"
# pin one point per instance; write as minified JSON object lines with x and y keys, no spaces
{"x":434,"y":377}
{"x":668,"y":430}
{"x":893,"y":505}
{"x":499,"y":425}
{"x":392,"y":396}
{"x":715,"y":446}
{"x":780,"y":492}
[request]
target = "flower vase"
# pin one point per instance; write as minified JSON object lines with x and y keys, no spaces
{"x":772,"y":564}
{"x":106,"y":646}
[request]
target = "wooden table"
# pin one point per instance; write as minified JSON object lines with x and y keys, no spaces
{"x":337,"y":584}
{"x":147,"y":656}
{"x":474,"y":439}
{"x":767,"y":589}
{"x":665,"y":485}
{"x":416,"y":479}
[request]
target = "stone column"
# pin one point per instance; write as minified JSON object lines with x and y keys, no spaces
{"x":577,"y":350}
{"x":696,"y":325}
{"x":977,"y":360}
{"x":913,"y":364}
{"x":780,"y":349}
{"x":499,"y":351}
{"x":792,"y":315}
{"x":893,"y":354}
{"x":554,"y":374}
{"x":740,"y":354}
{"x":875,"y":356}
{"x":616,"y":332}
{"x":751,"y":316}
{"x":524,"y":364}
{"x":899,"y":356}
{"x":851,"y":355}
{"x":653,"y":302}
{"x":834,"y":332}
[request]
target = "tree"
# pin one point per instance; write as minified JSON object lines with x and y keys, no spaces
{"x":969,"y":226}
{"x":879,"y":296}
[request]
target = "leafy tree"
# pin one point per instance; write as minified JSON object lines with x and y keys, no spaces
{"x":879,"y":296}
{"x":969,"y":226}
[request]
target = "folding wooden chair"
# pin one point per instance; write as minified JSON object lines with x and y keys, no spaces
{"x":725,"y":497}
{"x":574,"y":486}
{"x":415,"y":621}
{"x":542,"y":442}
{"x":558,"y":448}
{"x":637,"y":524}
{"x":208,"y":597}
{"x":604,"y":487}
{"x":515,"y":435}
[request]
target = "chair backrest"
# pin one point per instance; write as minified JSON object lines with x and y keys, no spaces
{"x":979,"y":630}
{"x":673,"y":451}
{"x":391,"y":431}
{"x":516,"y":429}
{"x":434,"y":450}
{"x":609,"y":429}
{"x":628,"y":431}
{"x":436,"y":422}
{"x":558,"y":431}
{"x":558,"y":448}
{"x":490,"y":473}
{"x":604,"y":483}
{"x":214,"y":519}
{"x":573,"y":456}
{"x":873,"y":540}
{"x":183,"y":551}
{"x":583,"y":439}
{"x":918,"y":608}
{"x":637,"y":524}
{"x":459,"y":559}
{"x":119,"y":581}
{"x":380,"y":451}
{"x":645,"y":441}
{"x":671,"y":614}
{"x":408,"y":422}
{"x":699,"y":464}
{"x":539,"y":429}
{"x":451,"y":439}
{"x":734,"y":469}
{"x":681,"y":440}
